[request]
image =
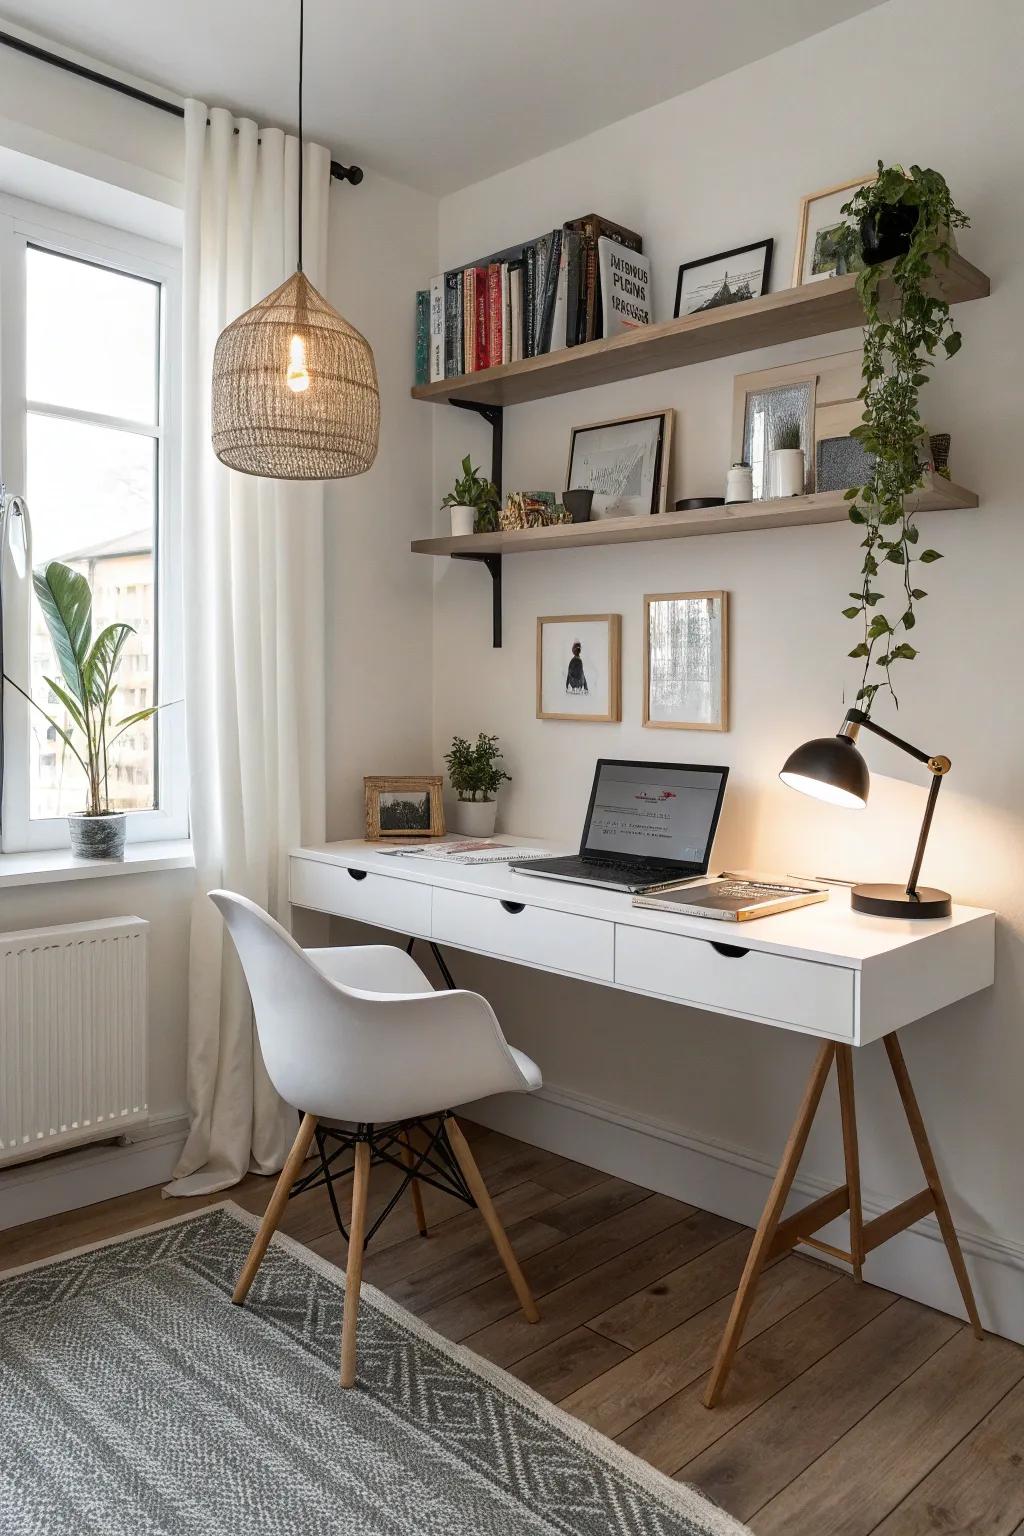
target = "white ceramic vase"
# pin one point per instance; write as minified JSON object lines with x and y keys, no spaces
{"x":787,"y":472}
{"x":475,"y":818}
{"x":463,"y":520}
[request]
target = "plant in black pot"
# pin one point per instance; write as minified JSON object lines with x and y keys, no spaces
{"x":905,"y":326}
{"x":88,"y":669}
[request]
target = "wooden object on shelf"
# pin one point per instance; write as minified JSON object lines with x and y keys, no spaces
{"x":816,"y":309}
{"x":936,"y":495}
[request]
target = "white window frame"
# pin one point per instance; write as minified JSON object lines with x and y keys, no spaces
{"x":23,"y":224}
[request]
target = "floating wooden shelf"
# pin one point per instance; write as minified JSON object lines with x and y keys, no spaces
{"x":938,"y":495}
{"x":812,"y":310}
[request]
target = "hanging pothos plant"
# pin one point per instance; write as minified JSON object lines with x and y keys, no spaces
{"x":902,"y":331}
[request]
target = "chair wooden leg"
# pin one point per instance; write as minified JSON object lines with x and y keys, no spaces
{"x":769,"y":1222}
{"x":478,"y":1189}
{"x":851,"y":1154}
{"x":275,"y":1208}
{"x":354,"y":1270}
{"x":414,"y":1187}
{"x":931,"y":1173}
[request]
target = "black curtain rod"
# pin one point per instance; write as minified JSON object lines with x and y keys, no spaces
{"x":339,"y":172}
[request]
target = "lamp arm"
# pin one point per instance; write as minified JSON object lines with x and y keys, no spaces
{"x":939,"y":767}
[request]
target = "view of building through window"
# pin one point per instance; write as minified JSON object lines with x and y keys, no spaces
{"x":93,"y":357}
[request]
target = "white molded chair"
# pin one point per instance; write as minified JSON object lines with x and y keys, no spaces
{"x":360,"y":1042}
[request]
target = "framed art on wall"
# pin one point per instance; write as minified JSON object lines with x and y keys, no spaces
{"x":728,"y":278}
{"x":625,"y":463}
{"x":409,"y":805}
{"x":686,"y":661}
{"x":579,"y":667}
{"x":817,"y":255}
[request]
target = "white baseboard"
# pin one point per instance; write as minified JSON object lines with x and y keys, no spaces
{"x":32,"y":1191}
{"x":734,"y":1183}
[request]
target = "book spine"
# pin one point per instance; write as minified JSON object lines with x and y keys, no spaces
{"x":515,"y":309}
{"x":494,"y":315}
{"x":590,"y":300}
{"x":529,"y":299}
{"x":436,"y":328}
{"x":551,"y":278}
{"x":423,"y":336}
{"x":452,"y":324}
{"x":571,"y":243}
{"x":506,"y":315}
{"x":469,"y":320}
{"x":481,"y":318}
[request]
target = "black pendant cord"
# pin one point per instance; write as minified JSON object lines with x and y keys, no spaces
{"x":302,"y":37}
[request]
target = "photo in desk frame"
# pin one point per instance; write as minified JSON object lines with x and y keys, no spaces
{"x":404,"y":805}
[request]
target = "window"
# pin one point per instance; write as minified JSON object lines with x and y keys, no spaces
{"x":88,"y":433}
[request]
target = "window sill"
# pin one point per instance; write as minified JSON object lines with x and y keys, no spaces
{"x":47,"y":866}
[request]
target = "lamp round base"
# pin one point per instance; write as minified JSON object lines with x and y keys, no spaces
{"x":893,"y":901}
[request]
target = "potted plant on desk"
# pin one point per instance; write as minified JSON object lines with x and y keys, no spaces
{"x":88,"y":668}
{"x":476,"y":779}
{"x":473,"y":502}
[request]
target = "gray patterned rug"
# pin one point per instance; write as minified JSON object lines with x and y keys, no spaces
{"x":135,"y":1400}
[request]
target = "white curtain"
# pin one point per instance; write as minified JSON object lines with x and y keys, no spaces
{"x":253,"y":554}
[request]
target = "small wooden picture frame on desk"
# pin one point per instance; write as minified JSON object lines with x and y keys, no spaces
{"x":579,"y":667}
{"x":686,"y":661}
{"x":409,"y":805}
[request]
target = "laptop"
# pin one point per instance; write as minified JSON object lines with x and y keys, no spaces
{"x":648,"y":825}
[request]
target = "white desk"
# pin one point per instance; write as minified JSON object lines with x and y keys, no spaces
{"x":843,"y":977}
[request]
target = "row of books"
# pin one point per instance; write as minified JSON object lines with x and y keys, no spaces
{"x":552,"y":292}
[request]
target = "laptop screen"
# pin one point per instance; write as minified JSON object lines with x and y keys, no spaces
{"x":662,"y":811}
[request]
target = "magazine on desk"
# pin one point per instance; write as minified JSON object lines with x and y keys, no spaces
{"x":734,"y":898}
{"x":470,"y":850}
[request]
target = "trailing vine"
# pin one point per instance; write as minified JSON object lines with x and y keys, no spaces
{"x":902,"y":333}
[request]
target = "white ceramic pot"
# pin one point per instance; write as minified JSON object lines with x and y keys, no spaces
{"x":463,"y":519}
{"x":787,"y":472}
{"x":475,"y":818}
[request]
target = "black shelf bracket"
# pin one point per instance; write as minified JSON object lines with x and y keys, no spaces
{"x":493,"y":564}
{"x":494,"y":417}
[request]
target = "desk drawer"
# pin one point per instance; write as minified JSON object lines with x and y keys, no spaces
{"x":803,"y":994}
{"x":557,"y":941}
{"x":400,"y":905}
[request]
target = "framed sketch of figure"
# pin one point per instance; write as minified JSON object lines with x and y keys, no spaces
{"x":579,"y":667}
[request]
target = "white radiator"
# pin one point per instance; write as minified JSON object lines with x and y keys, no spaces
{"x":73,"y":1026}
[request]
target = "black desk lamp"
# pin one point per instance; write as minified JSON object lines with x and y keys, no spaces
{"x":831,"y":768}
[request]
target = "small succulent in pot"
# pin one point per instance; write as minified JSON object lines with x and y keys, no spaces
{"x":472,"y":495}
{"x":88,"y":669}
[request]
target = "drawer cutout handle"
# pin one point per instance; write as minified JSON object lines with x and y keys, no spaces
{"x":357,"y":874}
{"x":514,"y":906}
{"x":730,"y":951}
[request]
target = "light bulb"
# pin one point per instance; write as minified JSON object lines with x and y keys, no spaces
{"x":297,"y":377}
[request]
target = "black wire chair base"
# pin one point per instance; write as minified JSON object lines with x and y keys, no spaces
{"x":432,"y":1161}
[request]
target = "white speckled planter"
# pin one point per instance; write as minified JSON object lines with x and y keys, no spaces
{"x":97,"y":837}
{"x":474,"y":818}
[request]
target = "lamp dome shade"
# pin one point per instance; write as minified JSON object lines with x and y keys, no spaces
{"x":295,"y":393}
{"x":831,"y":769}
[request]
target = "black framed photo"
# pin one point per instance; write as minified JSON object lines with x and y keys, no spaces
{"x":731,"y":277}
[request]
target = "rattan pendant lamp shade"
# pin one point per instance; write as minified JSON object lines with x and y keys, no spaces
{"x":295,"y":392}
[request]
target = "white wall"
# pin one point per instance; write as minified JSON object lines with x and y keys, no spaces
{"x":383,"y":237}
{"x":717,"y":168}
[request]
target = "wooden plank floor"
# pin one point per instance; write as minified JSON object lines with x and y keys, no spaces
{"x":849,"y":1411}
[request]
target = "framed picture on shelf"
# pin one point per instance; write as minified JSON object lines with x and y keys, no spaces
{"x":794,"y":405}
{"x":729,"y":278}
{"x":579,"y":667}
{"x":410,"y":805}
{"x":686,"y":661}
{"x":625,"y":463}
{"x":817,"y":255}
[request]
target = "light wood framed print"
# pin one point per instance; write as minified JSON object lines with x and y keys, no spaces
{"x":624,"y":462}
{"x":686,"y":661}
{"x":819,"y":216}
{"x":579,"y":667}
{"x":409,"y":805}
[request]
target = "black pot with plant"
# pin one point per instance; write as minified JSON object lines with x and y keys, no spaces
{"x":902,"y":333}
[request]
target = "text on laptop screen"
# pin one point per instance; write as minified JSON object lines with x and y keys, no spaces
{"x":653,"y":812}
